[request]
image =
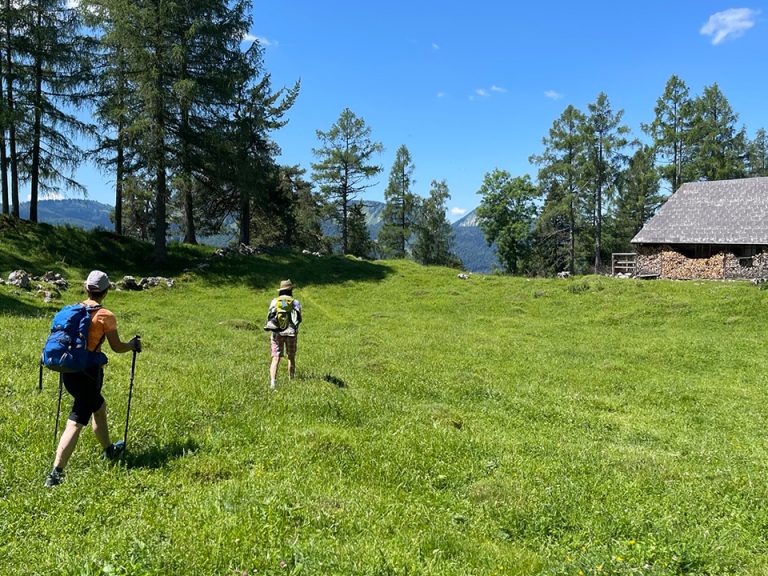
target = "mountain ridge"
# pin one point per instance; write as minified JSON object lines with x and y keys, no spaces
{"x":469,"y":243}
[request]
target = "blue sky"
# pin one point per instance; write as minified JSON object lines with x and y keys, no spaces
{"x":473,"y":86}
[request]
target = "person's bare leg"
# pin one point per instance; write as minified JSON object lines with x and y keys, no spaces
{"x":291,"y":368}
{"x":67,"y":443}
{"x":273,"y":371}
{"x":100,"y":427}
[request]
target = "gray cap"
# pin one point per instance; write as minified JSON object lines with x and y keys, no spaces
{"x":97,"y":281}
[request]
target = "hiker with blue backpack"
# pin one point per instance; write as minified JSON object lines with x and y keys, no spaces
{"x":84,"y":384}
{"x":283,"y":319}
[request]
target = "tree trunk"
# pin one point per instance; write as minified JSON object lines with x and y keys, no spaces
{"x":34,"y":182}
{"x":161,"y":195}
{"x":3,"y":153}
{"x":571,"y":236}
{"x":186,"y":170}
{"x":119,"y":180}
{"x":11,"y":119}
{"x":245,"y":219}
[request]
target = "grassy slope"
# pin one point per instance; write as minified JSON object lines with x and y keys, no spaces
{"x":490,"y":426}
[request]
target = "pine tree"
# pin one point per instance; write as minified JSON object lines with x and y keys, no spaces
{"x":671,"y":131}
{"x":14,"y":17}
{"x":358,"y":239}
{"x":399,"y":211}
{"x":605,"y":158}
{"x":720,"y":148}
{"x":638,"y":197}
{"x":434,"y":235}
{"x":345,"y":165}
{"x":561,"y":182}
{"x":56,"y":51}
{"x":757,"y":155}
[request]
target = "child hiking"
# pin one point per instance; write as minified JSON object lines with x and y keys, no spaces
{"x":283,"y":319}
{"x":85,"y":386}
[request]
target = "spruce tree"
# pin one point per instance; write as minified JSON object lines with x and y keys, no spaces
{"x":433,"y":233}
{"x":671,"y":131}
{"x":399,"y":211}
{"x":345,"y":165}
{"x":562,"y":184}
{"x":719,"y":151}
{"x":605,"y":141}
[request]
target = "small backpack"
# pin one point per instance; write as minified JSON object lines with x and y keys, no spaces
{"x":284,"y":312}
{"x":66,"y":349}
{"x":284,"y":318}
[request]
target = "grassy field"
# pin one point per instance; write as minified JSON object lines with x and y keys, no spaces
{"x":437,"y":426}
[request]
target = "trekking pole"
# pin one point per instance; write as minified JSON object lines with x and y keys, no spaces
{"x":58,"y":409}
{"x":40,"y":385}
{"x":130,"y":394}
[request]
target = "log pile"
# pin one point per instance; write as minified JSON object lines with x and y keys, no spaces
{"x":678,"y":266}
{"x":754,"y":267}
{"x":648,"y":261}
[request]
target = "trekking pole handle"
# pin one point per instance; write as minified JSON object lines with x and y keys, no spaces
{"x":137,"y":345}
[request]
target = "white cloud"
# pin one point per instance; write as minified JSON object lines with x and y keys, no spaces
{"x":266,"y":42}
{"x":441,"y":94}
{"x":435,"y":46}
{"x":481,"y":92}
{"x":456,"y":211}
{"x":730,"y":23}
{"x":495,"y":88}
{"x":553,"y":95}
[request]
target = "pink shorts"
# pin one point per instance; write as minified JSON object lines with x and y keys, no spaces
{"x":283,"y":346}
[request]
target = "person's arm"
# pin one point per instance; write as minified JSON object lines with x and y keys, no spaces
{"x":119,"y":346}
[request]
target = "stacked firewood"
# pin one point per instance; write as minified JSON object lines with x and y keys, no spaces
{"x":649,"y":261}
{"x":676,"y":265}
{"x":751,"y":267}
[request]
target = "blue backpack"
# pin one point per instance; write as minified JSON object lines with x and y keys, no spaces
{"x":66,"y":349}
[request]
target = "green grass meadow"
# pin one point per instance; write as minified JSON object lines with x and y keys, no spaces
{"x":437,"y":426}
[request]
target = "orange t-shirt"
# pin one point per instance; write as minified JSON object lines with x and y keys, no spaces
{"x":102,"y":322}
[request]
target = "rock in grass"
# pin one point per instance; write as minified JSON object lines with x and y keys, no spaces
{"x":20,"y":278}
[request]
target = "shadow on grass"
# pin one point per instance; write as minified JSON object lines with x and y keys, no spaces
{"x":14,"y":306}
{"x":158,"y":456}
{"x":38,"y":248}
{"x":266,"y":271}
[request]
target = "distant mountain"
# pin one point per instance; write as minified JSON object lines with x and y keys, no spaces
{"x":86,"y":214}
{"x":469,"y":243}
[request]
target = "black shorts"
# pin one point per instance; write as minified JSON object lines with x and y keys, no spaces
{"x":85,"y":388}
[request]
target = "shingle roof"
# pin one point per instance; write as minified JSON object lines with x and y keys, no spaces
{"x":718,"y":212}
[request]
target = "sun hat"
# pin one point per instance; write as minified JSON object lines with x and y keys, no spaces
{"x":285,"y":285}
{"x":97,"y":281}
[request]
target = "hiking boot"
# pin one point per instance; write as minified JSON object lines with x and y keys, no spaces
{"x":54,"y":478}
{"x":114,"y":451}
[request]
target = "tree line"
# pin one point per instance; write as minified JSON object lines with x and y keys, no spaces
{"x":178,"y":108}
{"x":181,"y":111}
{"x":597,"y":185}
